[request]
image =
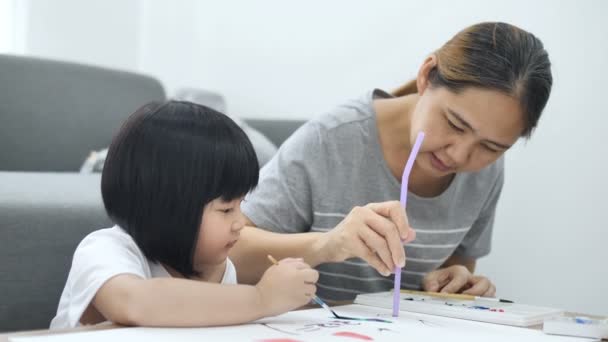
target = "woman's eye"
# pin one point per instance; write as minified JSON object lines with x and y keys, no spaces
{"x":490,"y":149}
{"x":226,"y":211}
{"x":455,"y":127}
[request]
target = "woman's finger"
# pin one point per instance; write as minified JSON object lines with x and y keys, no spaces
{"x":480,"y":285}
{"x":388,"y":231}
{"x":457,"y":281}
{"x":378,"y":245}
{"x":396,"y":213}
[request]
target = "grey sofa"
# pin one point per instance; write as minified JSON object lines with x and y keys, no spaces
{"x":51,"y":115}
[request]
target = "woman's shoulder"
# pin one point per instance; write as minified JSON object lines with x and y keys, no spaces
{"x":485,"y":178}
{"x":347,"y":115}
{"x":496,"y":169}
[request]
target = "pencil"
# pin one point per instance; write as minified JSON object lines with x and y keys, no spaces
{"x":272,"y":260}
{"x":456,"y":296}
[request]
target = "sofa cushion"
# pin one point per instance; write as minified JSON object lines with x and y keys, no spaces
{"x":43,"y":217}
{"x":54,"y":113}
{"x":264,"y":148}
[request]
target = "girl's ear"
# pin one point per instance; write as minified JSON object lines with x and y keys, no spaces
{"x":422,"y":80}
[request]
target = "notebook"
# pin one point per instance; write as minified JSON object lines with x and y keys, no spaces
{"x":476,"y":310}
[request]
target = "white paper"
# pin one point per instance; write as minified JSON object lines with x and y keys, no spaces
{"x":317,"y":325}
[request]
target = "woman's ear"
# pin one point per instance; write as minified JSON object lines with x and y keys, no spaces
{"x":422,"y":80}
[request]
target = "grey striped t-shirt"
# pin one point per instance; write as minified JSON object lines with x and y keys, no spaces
{"x":333,"y":163}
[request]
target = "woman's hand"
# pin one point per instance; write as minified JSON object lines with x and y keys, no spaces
{"x":458,"y":279}
{"x":375,"y":233}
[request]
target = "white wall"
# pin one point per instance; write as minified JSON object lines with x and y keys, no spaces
{"x":287,"y":59}
{"x":102,"y":32}
{"x":551,"y":230}
{"x":6,"y":26}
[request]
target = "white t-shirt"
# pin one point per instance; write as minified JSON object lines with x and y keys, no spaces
{"x":100,"y":256}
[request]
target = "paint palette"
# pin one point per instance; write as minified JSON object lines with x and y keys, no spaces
{"x":477,"y":310}
{"x":577,"y":326}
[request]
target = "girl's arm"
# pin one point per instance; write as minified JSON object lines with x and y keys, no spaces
{"x":130,"y":300}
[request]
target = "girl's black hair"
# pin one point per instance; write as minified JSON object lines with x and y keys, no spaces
{"x":168,"y":161}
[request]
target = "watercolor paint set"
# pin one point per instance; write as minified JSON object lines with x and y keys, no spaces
{"x":481,"y":310}
{"x":576,"y":326}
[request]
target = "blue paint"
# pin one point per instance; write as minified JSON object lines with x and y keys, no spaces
{"x":478,"y":307}
{"x":365,"y":319}
{"x":583,"y":320}
{"x":377,"y":320}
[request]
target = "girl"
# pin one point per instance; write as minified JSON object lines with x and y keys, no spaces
{"x":473,"y":98}
{"x":172,"y":183}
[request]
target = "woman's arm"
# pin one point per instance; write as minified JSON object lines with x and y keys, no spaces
{"x":249,"y":255}
{"x":130,"y":300}
{"x":374,"y":233}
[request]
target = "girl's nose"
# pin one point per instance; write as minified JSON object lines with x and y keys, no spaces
{"x":238,"y":224}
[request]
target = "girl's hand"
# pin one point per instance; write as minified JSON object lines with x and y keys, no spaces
{"x":374,"y":233}
{"x":458,"y":279}
{"x":286,"y":286}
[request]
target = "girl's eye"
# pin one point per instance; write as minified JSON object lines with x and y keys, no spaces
{"x":226,"y":211}
{"x":490,"y":149}
{"x":456,"y":128}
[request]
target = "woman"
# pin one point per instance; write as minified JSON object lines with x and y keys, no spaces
{"x":473,"y":98}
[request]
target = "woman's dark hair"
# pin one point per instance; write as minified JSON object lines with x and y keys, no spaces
{"x":166,"y":163}
{"x":495,"y":56}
